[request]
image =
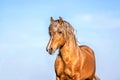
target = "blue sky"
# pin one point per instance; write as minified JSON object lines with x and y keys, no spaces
{"x":24,"y":36}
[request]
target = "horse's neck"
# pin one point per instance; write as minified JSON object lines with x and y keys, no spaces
{"x":70,"y":48}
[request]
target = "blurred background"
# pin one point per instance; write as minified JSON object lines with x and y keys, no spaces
{"x":24,"y":36}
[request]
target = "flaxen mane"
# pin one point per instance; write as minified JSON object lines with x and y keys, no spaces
{"x":69,"y":31}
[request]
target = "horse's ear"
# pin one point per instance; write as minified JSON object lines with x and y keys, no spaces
{"x":60,"y":20}
{"x":51,"y":19}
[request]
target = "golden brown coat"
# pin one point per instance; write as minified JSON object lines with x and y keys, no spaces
{"x":73,"y":62}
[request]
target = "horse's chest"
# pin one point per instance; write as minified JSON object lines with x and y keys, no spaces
{"x":63,"y":65}
{"x":66,"y":60}
{"x":68,"y":65}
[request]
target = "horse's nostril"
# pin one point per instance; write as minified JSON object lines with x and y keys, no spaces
{"x":51,"y":49}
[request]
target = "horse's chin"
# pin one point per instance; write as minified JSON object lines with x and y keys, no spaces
{"x":52,"y":52}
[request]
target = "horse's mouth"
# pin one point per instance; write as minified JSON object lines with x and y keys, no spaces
{"x":51,"y":52}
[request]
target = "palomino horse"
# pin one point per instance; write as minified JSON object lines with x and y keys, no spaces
{"x":73,"y":62}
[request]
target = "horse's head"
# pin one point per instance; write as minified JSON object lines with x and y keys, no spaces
{"x":57,"y":35}
{"x":60,"y":31}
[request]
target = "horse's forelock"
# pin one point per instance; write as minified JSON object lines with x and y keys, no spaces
{"x":66,"y":26}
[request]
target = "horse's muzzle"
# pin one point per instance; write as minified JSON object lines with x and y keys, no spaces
{"x":50,"y":50}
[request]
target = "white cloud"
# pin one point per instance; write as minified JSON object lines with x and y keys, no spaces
{"x":82,"y":18}
{"x":87,"y":18}
{"x":99,"y":20}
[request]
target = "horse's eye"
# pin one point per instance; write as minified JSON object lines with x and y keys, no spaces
{"x":55,"y":25}
{"x":60,"y":32}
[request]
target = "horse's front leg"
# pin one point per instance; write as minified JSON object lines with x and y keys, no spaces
{"x":76,"y":76}
{"x":61,"y":77}
{"x":59,"y":67}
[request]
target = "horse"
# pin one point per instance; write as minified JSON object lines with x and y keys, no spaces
{"x":73,"y":62}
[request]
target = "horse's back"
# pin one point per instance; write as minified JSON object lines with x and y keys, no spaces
{"x":87,"y":49}
{"x":88,"y":62}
